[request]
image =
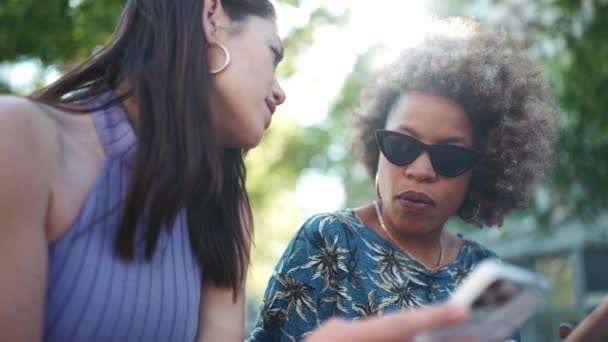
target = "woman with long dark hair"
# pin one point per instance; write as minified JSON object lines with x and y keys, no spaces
{"x":123,"y":206}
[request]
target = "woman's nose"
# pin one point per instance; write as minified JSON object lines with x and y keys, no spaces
{"x":421,"y":169}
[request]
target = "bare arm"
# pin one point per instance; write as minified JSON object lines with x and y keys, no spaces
{"x":24,"y":199}
{"x":594,"y":328}
{"x":397,"y":326}
{"x":221,"y":319}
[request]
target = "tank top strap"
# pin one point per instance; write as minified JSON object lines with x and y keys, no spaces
{"x":114,"y":129}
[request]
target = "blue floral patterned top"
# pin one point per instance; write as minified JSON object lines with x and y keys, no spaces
{"x":337,"y":266}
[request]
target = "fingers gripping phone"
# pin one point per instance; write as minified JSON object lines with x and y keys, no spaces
{"x":501,"y":298}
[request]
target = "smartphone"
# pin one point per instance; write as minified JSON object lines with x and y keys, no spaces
{"x":501,"y":298}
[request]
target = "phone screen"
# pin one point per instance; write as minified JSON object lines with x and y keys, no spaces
{"x":495,"y":314}
{"x":501,"y":298}
{"x":496,"y":295}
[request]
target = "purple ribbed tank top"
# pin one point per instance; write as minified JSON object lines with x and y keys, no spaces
{"x":94,"y":296}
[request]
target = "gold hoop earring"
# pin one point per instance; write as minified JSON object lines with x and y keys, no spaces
{"x":462,"y":210}
{"x":226,"y":62}
{"x":377,"y":187}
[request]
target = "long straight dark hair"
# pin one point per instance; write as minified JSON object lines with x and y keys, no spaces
{"x":158,"y":51}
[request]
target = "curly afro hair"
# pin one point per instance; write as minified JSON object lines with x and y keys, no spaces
{"x":504,"y":95}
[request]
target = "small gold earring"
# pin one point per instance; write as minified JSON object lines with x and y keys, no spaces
{"x":470,"y":216}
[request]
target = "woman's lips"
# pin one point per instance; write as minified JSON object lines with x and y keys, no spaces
{"x":271,"y":106}
{"x":415,"y":201}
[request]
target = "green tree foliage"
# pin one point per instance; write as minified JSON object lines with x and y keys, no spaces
{"x":4,"y":88}
{"x":582,"y":90}
{"x":55,"y":31}
{"x":335,"y":156}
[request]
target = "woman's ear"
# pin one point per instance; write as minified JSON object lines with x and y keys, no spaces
{"x":213,"y":17}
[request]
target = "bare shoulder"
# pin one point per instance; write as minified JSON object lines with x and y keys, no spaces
{"x":25,"y":127}
{"x":27,"y":151}
{"x":28,"y":148}
{"x":57,"y":152}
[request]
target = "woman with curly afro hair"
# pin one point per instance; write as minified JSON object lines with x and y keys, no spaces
{"x":462,"y":124}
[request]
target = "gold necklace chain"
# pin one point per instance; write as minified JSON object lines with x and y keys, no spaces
{"x":439,"y":262}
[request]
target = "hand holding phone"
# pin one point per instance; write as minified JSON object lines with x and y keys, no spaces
{"x":501,"y":298}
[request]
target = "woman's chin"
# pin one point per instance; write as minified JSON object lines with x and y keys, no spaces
{"x":245,"y":142}
{"x":416,"y":226}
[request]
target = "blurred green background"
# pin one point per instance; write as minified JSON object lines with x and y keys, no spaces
{"x":304,"y":165}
